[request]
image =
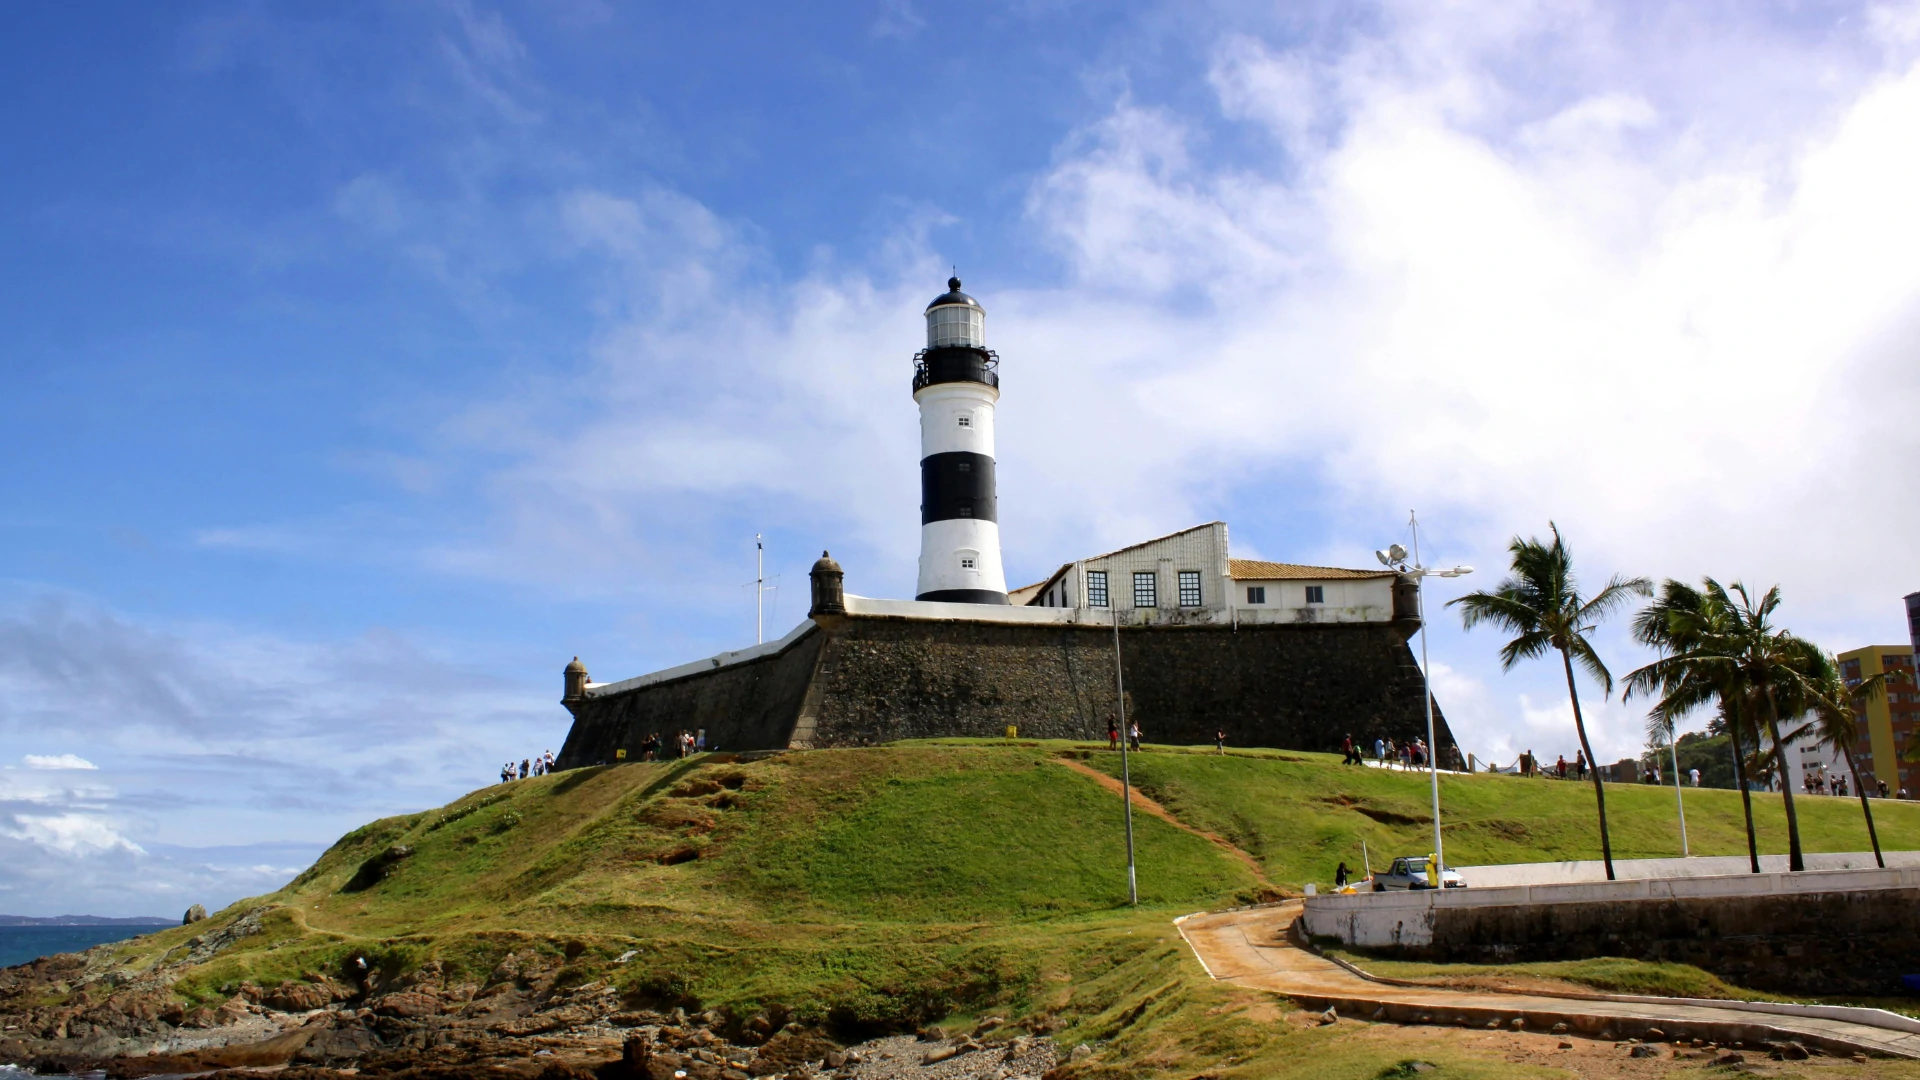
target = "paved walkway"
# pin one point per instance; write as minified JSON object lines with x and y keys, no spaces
{"x":1250,"y":947}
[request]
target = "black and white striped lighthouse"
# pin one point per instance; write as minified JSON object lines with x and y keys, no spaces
{"x":956,"y":380}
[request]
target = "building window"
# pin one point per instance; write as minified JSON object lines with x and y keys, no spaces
{"x":1256,"y":594}
{"x":966,"y":421}
{"x":967,"y":562}
{"x":1096,"y":588}
{"x":1146,"y":589}
{"x":1189,"y":588}
{"x":1316,"y":594}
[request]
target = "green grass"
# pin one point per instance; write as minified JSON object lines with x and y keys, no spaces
{"x":1301,"y":814}
{"x":894,"y":886}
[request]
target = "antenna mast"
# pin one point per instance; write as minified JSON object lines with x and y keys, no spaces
{"x":759,"y":591}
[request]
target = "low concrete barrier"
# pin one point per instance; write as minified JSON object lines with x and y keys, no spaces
{"x":1819,"y":931}
{"x":1554,"y":873}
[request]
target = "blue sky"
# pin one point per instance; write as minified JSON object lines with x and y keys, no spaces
{"x":359,"y":365}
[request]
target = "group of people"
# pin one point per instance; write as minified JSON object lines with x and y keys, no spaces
{"x":537,"y":765}
{"x":1822,"y":784}
{"x":1411,"y":754}
{"x":685,"y":744}
{"x":1113,"y":734}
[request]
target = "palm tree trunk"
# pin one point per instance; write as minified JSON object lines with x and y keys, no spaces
{"x":1795,"y":860}
{"x":1599,"y":790}
{"x":1865,"y":808}
{"x":1740,"y":778}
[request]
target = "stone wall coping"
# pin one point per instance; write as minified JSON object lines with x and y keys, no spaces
{"x":1805,"y":882}
{"x":701,"y":667}
{"x":1560,"y":873}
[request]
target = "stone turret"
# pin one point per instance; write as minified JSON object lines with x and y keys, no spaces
{"x":1406,"y":605}
{"x":829,"y":588}
{"x":575,"y":684}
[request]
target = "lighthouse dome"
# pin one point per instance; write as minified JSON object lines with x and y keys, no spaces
{"x":956,"y":320}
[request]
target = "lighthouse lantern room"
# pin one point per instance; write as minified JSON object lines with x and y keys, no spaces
{"x":956,"y":380}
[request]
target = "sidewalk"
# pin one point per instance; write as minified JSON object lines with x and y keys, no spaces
{"x":1251,"y":947}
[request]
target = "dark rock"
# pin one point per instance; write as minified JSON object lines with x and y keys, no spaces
{"x":194,"y":914}
{"x":1642,"y":1050}
{"x":375,"y":869}
{"x":1793,"y":1051}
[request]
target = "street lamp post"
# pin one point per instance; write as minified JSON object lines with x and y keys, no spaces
{"x":1395,"y":557}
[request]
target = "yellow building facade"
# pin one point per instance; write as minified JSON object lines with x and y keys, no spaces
{"x":1891,"y":719}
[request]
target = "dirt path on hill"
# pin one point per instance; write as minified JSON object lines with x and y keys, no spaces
{"x":1161,"y":812}
{"x":1252,"y":947}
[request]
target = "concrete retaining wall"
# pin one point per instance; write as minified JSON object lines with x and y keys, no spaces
{"x":1820,"y":932}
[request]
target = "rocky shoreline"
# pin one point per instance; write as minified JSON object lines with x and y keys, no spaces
{"x":522,"y":1021}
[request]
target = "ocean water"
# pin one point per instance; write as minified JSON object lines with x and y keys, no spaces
{"x":20,"y":944}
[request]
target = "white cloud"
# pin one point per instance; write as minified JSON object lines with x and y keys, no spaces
{"x":71,"y":834}
{"x":58,"y":761}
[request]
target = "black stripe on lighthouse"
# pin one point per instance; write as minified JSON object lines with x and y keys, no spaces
{"x":957,"y":484}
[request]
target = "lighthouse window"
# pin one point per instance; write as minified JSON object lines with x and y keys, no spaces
{"x":966,"y":421}
{"x":965,"y":466}
{"x":965,"y":509}
{"x":1146,"y":589}
{"x":1096,"y":588}
{"x":1189,"y":588}
{"x":966,"y":562}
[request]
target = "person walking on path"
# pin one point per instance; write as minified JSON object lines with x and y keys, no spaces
{"x":1134,"y":736}
{"x":1580,"y":765}
{"x":1380,"y":750}
{"x":1113,"y":733}
{"x":1219,"y":740}
{"x":1560,"y":767}
{"x":526,"y":768}
{"x":506,"y":772}
{"x":1347,"y":756}
{"x":649,"y":746}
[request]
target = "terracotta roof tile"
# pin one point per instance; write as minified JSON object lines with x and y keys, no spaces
{"x":1257,"y":570}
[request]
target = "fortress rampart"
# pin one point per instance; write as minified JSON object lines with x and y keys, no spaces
{"x":861,"y":672}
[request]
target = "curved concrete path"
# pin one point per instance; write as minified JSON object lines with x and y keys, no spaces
{"x":1251,"y":947}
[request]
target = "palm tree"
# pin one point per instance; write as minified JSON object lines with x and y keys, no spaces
{"x":1678,"y":624}
{"x":1540,"y":604}
{"x":1760,"y":673}
{"x":1837,"y":725}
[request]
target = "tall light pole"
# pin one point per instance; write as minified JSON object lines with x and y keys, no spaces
{"x":1126,"y":737}
{"x":1395,"y":557}
{"x":1673,"y":748}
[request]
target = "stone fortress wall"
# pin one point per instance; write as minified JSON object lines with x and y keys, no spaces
{"x":861,"y":672}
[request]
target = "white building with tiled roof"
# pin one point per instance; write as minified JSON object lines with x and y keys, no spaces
{"x":1188,"y":576}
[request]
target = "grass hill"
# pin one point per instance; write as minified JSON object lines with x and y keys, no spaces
{"x":894,"y":886}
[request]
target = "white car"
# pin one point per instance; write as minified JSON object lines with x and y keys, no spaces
{"x":1411,"y":873}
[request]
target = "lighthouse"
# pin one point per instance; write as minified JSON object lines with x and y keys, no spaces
{"x":956,"y":380}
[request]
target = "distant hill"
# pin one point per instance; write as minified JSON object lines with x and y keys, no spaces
{"x":85,"y":920}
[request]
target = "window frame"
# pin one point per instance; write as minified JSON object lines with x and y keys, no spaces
{"x":1316,"y":594}
{"x":1152,"y":580}
{"x":1256,"y":594}
{"x":1186,"y":579}
{"x":1096,"y":587}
